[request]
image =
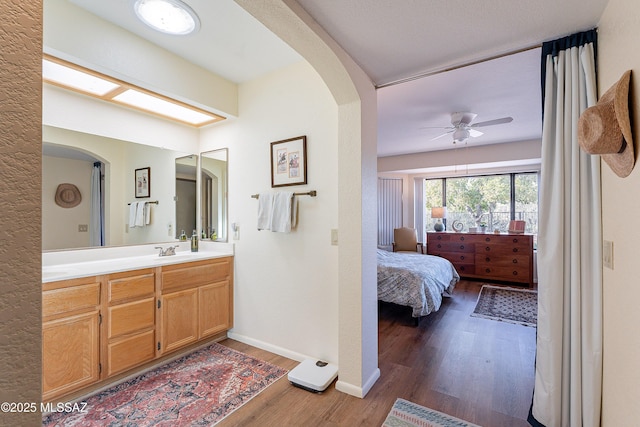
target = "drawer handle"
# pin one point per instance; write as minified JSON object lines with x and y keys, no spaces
{"x":461,"y":246}
{"x":461,"y":257}
{"x":439,"y":245}
{"x":487,"y":239}
{"x":439,"y":237}
{"x":515,"y":240}
{"x":487,"y":249}
{"x":515,"y":249}
{"x":515,"y":273}
{"x":461,"y":268}
{"x":515,"y":261}
{"x":487,"y":259}
{"x":461,"y":238}
{"x":488,"y":270}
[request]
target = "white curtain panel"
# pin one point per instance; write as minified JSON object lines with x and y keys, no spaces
{"x":568,"y":377}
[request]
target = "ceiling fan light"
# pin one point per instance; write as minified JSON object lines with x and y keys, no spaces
{"x":460,"y":135}
{"x":167,"y":16}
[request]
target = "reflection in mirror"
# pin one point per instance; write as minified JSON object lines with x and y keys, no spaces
{"x":186,"y":195}
{"x":213,"y":194}
{"x":69,"y":157}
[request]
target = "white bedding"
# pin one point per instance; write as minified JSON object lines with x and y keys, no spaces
{"x":414,"y":280}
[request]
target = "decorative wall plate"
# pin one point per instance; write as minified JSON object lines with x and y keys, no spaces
{"x":457,"y":226}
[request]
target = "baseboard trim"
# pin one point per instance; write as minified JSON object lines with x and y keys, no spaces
{"x":280,"y":351}
{"x":356,"y":391}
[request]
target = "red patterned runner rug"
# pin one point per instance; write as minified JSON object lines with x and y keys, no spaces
{"x":198,"y":389}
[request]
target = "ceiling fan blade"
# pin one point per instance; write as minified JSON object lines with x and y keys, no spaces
{"x":475,"y":133}
{"x":440,"y":136}
{"x":492,"y":122}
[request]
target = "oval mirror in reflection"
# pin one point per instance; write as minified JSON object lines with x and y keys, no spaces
{"x":213,"y":194}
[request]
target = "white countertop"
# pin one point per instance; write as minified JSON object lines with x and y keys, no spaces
{"x":64,"y":265}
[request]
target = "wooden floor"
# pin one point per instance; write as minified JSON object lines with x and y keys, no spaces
{"x":476,"y":369}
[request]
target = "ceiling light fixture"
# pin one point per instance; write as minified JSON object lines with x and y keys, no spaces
{"x":71,"y":76}
{"x":167,"y":16}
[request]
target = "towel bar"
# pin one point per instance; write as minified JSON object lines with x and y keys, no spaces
{"x":155,"y":202}
{"x":312,"y":193}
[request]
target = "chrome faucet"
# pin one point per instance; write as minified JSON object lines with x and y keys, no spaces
{"x":171,"y":250}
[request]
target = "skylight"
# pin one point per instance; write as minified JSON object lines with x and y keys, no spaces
{"x":167,"y":16}
{"x":70,"y":76}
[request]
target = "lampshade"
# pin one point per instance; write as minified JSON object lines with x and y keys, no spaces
{"x":440,"y":212}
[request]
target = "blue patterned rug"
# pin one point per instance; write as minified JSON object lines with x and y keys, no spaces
{"x":408,"y":414}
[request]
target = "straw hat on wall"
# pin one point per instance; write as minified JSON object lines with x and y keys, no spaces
{"x":605,"y":128}
{"x":68,"y":196}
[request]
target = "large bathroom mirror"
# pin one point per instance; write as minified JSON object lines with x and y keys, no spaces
{"x":69,"y":158}
{"x":213,"y":194}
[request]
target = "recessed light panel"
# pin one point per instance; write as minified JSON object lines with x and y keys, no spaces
{"x":76,"y":79}
{"x":157,"y":105}
{"x":167,"y":16}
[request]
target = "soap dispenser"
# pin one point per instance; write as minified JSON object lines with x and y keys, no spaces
{"x":194,"y":241}
{"x":183,"y":236}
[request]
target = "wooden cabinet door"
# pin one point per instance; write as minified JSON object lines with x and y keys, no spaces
{"x":179,"y":319}
{"x":214,"y":308}
{"x":70,"y":356}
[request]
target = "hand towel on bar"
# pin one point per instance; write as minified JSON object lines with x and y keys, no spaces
{"x":281,"y":212}
{"x":133,"y":207}
{"x":147,"y":213}
{"x":140,"y":210}
{"x":265,"y":201}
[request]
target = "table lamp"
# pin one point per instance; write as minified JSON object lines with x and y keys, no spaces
{"x":439,"y":213}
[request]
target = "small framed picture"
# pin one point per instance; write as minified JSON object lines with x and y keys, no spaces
{"x":289,"y":162}
{"x":143,"y":182}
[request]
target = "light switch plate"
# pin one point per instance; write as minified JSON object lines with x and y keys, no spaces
{"x":607,"y":254}
{"x":334,"y":237}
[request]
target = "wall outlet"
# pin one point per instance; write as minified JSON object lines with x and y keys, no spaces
{"x":607,"y":254}
{"x":83,"y":228}
{"x":334,"y":237}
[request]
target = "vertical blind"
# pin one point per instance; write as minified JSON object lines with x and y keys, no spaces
{"x":389,"y":209}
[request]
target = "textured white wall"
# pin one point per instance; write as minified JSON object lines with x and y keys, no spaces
{"x":618,"y":37}
{"x":20,"y":179}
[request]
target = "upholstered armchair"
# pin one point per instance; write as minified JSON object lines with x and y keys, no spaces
{"x":405,"y":239}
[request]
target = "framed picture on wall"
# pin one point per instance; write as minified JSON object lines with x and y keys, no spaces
{"x":289,"y":162}
{"x":143,"y":182}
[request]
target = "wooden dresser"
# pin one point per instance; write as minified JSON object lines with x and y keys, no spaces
{"x":503,"y":257}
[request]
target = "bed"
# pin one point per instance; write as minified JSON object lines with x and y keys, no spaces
{"x":415,"y":280}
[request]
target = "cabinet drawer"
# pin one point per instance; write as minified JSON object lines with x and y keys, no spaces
{"x":501,"y":250}
{"x":130,"y":352}
{"x":457,"y":257}
{"x":492,"y":260}
{"x":514,"y":274}
{"x":131,"y":285}
{"x":451,"y":247}
{"x":131,"y":317}
{"x":193,"y":274}
{"x":465,"y":269}
{"x":438,"y":237}
{"x":70,"y":299}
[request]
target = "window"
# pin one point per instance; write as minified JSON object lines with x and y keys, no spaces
{"x":493,"y":200}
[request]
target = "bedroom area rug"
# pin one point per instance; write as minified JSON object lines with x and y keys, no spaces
{"x":408,"y":414}
{"x":200,"y":388}
{"x":512,"y":305}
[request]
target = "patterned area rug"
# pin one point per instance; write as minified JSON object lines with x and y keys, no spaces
{"x":408,"y":414}
{"x":508,"y":305}
{"x":198,"y":389}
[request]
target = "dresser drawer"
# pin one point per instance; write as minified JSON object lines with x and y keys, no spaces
{"x":514,"y":274}
{"x":457,"y":257}
{"x":464,"y":269}
{"x":450,"y":247}
{"x":501,"y":250}
{"x":493,"y":260}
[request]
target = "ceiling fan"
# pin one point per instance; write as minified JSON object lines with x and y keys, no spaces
{"x":462,"y":128}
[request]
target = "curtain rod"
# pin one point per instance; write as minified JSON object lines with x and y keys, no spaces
{"x":444,"y":70}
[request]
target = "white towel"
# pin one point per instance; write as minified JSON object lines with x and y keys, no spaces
{"x":133,"y":207}
{"x":140,"y":211}
{"x":281,"y":212}
{"x":147,"y":213}
{"x":265,"y":201}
